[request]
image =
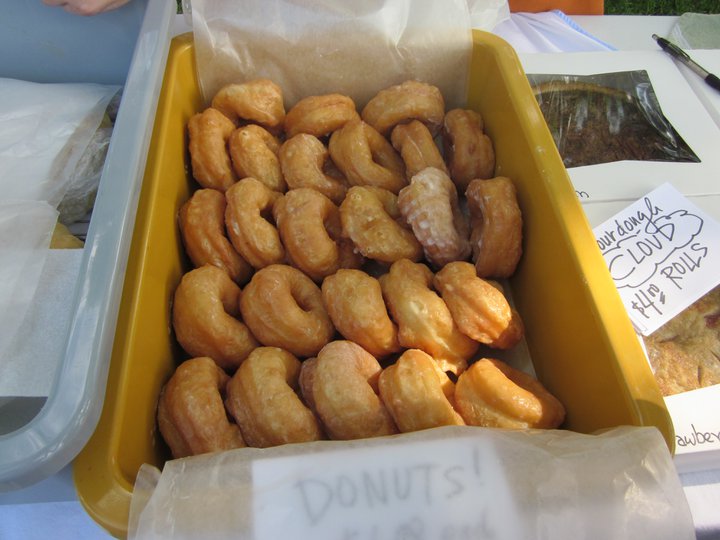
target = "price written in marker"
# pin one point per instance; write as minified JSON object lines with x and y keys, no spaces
{"x":663,"y":253}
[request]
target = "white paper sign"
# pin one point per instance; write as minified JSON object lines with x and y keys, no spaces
{"x":663,"y":253}
{"x":437,"y":489}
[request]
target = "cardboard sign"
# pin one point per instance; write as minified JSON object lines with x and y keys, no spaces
{"x":663,"y":253}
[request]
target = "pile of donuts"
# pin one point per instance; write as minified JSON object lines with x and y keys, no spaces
{"x":346,"y":274}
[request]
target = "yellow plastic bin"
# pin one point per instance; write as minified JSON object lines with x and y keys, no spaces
{"x":582,"y":344}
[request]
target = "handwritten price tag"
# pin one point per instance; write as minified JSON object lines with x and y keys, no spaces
{"x":663,"y":253}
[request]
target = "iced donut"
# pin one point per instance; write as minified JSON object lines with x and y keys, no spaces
{"x":259,"y":101}
{"x":263,"y":399}
{"x":319,"y":115}
{"x":202,"y":228}
{"x":250,"y":223}
{"x":340,"y":385}
{"x":208,"y":134}
{"x":254,"y":153}
{"x":284,"y":308}
{"x":205,"y":311}
{"x":191,"y":415}
{"x":493,"y":394}
{"x":468,"y":150}
{"x":430,"y":205}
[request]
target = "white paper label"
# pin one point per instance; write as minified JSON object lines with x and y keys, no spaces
{"x":427,"y":490}
{"x":663,"y":253}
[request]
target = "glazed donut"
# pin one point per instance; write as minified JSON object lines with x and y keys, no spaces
{"x":424,"y":320}
{"x":250,"y":224}
{"x":310,"y":229}
{"x":371,"y":220}
{"x":259,"y":101}
{"x":319,"y":115}
{"x":191,"y":415}
{"x":468,"y":150}
{"x":202,"y":228}
{"x":254,"y":153}
{"x":418,"y":393}
{"x":208,"y":134}
{"x":417,"y":148}
{"x":411,"y":100}
{"x":263,"y":399}
{"x":430,"y":205}
{"x":478,"y":307}
{"x":493,"y":394}
{"x":284,"y":308}
{"x":355,"y":304}
{"x":496,"y":222}
{"x":366,"y":158}
{"x":340,"y":385}
{"x":305,"y":163}
{"x":205,"y":310}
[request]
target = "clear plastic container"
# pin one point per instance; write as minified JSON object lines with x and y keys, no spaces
{"x":127,"y":47}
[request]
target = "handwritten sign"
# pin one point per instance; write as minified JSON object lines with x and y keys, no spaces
{"x":663,"y":253}
{"x":441,"y":489}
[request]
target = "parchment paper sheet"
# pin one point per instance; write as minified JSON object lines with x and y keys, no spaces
{"x":620,"y":484}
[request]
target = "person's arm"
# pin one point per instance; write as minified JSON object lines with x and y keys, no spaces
{"x":86,"y":7}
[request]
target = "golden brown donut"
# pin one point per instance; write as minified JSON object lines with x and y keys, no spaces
{"x":340,"y":385}
{"x":319,"y":115}
{"x":254,"y":153}
{"x":259,"y":101}
{"x":205,"y":311}
{"x":284,"y":308}
{"x":366,"y":158}
{"x":310,"y":230}
{"x":401,"y":103}
{"x":263,"y":399}
{"x":493,"y":394}
{"x":202,"y":228}
{"x":305,"y":162}
{"x":468,"y":150}
{"x":208,"y":134}
{"x":424,"y":320}
{"x":478,"y":307}
{"x":371,"y":219}
{"x":496,"y":222}
{"x":354,"y":301}
{"x":418,"y":393}
{"x":430,"y":206}
{"x":250,"y":223}
{"x":417,"y":148}
{"x":191,"y":415}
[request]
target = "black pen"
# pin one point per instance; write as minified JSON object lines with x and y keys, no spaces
{"x":676,"y":52}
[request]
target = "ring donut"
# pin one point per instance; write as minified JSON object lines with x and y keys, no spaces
{"x":356,"y":307}
{"x":417,"y":148}
{"x":208,"y":134}
{"x":191,"y":415}
{"x":205,"y":310}
{"x":250,"y":223}
{"x":418,"y":393}
{"x":263,"y":399}
{"x":401,"y":103}
{"x":319,"y":115}
{"x":340,"y":385}
{"x":496,"y":226}
{"x":366,"y":158}
{"x":430,"y":206}
{"x":259,"y":101}
{"x":493,"y":394}
{"x":202,"y":228}
{"x":468,"y":150}
{"x":254,"y":153}
{"x":284,"y":308}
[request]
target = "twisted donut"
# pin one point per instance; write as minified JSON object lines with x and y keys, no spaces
{"x":417,"y":148}
{"x":250,"y":224}
{"x":202,"y":228}
{"x":208,"y":134}
{"x":496,"y":221}
{"x":191,"y":416}
{"x":283,"y":308}
{"x":319,"y":115}
{"x":418,"y":393}
{"x":340,"y":385}
{"x":260,"y":101}
{"x":262,"y":398}
{"x":205,"y":308}
{"x":254,"y":153}
{"x":468,"y":150}
{"x":493,"y":394}
{"x":356,"y":307}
